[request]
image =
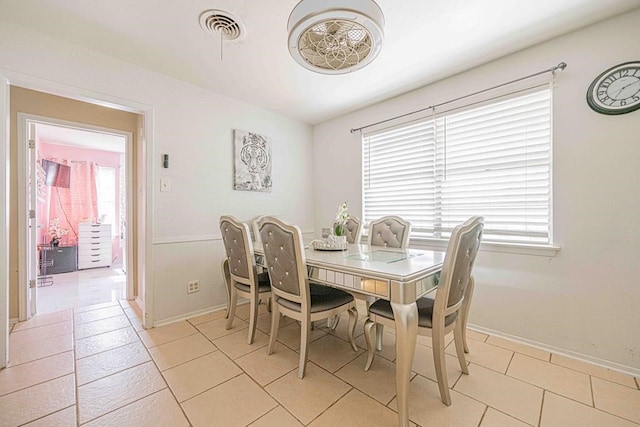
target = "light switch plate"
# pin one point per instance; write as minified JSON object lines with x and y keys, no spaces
{"x":165,"y":185}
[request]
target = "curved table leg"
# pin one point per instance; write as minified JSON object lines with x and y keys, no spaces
{"x":406,"y":318}
{"x":227,"y":282}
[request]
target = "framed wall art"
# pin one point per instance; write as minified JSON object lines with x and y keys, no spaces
{"x":252,"y":161}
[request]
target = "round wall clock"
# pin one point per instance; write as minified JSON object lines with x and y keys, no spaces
{"x":617,"y":90}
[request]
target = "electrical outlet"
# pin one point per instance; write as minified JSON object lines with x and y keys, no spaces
{"x":193,"y":286}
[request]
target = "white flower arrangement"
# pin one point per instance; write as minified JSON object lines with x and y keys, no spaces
{"x":342,"y":216}
{"x":55,"y":230}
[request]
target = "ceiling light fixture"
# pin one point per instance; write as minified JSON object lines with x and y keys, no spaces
{"x":333,"y":36}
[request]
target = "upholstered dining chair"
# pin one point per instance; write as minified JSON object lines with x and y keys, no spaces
{"x":353,"y":230}
{"x":243,"y":275}
{"x":448,"y":311}
{"x":293,"y":295}
{"x":389,"y":231}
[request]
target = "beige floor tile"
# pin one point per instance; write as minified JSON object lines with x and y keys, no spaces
{"x":96,"y":306}
{"x":44,"y":319}
{"x":379,"y":382}
{"x":38,"y":371}
{"x":199,"y":375}
{"x":35,"y":350}
{"x":423,"y":364}
{"x":264,"y":322}
{"x":133,"y":312}
{"x":216,"y":328}
{"x":332,"y":353}
{"x":426,"y":408}
{"x":106,"y":341}
{"x":486,"y":355}
{"x":519,"y":348}
{"x":218,"y":314}
{"x":388,"y":346}
{"x":308,"y":397}
{"x":356,"y":410}
{"x":596,"y":371}
{"x":136,"y":323}
{"x":124,"y":303}
{"x":493,"y":418}
{"x":513,"y":397}
{"x":115,"y":391}
{"x":278,"y":417}
{"x":180,"y":351}
{"x":35,"y":402}
{"x":235,"y":345}
{"x":41,"y":332}
{"x":560,"y":411}
{"x":616,"y":399}
{"x":85,"y":330}
{"x":242,"y":310}
{"x":265,"y":368}
{"x":109,"y":362}
{"x":167,"y":333}
{"x":290,"y":335}
{"x":560,"y":380}
{"x":425,"y":340}
{"x":158,"y":410}
{"x":476,"y":336}
{"x":93,"y":315}
{"x":63,"y":418}
{"x":237,"y":402}
{"x":342,"y":331}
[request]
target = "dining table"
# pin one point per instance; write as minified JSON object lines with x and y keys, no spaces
{"x":400,"y":276}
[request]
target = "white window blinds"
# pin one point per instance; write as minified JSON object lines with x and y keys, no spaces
{"x":493,"y":160}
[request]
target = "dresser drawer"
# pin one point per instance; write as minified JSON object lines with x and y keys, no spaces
{"x":93,"y":263}
{"x":94,"y":245}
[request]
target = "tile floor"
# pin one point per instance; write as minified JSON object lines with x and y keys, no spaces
{"x":96,"y":366}
{"x":82,"y":288}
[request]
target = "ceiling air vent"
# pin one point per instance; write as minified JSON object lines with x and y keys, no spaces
{"x":221,"y":23}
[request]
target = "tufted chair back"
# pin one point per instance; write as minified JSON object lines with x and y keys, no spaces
{"x":353,"y":230}
{"x":285,"y":259}
{"x":458,"y":264}
{"x":239,"y":248}
{"x":389,"y":231}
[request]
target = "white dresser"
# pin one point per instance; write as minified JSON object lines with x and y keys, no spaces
{"x":94,"y":245}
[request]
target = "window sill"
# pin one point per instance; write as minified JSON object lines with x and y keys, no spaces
{"x":510,"y":248}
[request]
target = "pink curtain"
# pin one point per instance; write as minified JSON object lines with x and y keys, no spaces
{"x":75,"y":204}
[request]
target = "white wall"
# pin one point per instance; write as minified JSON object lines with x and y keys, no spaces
{"x":195,"y":127}
{"x":585,"y":301}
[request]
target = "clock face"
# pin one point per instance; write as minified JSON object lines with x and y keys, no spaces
{"x":617,"y":90}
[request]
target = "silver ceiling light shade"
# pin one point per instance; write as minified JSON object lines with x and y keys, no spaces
{"x":333,"y":36}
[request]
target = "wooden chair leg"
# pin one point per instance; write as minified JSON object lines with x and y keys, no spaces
{"x":275,"y":322}
{"x":466,"y":305}
{"x":227,"y":283}
{"x":304,"y":347}
{"x":441,"y":369}
{"x":457,"y":338}
{"x":232,"y":308}
{"x":379,"y":335}
{"x":369,"y":338}
{"x":253,"y":315}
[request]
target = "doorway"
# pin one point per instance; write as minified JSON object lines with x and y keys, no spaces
{"x":78,"y":187}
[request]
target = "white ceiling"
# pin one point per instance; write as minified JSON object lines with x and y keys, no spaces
{"x":63,"y":135}
{"x":425,"y":40}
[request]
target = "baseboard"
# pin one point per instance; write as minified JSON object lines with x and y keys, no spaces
{"x":190,"y":315}
{"x":560,"y":351}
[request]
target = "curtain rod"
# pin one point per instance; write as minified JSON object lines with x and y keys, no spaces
{"x":560,"y":67}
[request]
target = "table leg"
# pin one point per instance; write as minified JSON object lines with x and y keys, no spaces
{"x":406,"y":318}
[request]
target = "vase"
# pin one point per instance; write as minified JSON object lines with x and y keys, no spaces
{"x":55,"y":242}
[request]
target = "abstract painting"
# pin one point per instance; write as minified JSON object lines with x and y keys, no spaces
{"x":252,"y":161}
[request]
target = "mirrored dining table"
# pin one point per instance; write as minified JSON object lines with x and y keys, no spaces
{"x":400,"y":276}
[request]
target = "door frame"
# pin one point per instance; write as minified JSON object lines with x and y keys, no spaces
{"x":24,"y":121}
{"x":144,"y":197}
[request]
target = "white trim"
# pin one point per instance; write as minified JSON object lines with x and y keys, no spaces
{"x":560,"y":351}
{"x":510,"y":248}
{"x":144,"y":168}
{"x":4,"y":220}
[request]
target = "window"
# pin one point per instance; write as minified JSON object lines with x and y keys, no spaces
{"x":106,"y":186}
{"x":492,"y":160}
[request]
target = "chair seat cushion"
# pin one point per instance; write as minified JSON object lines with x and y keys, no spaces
{"x":425,"y":312}
{"x":322,"y":298}
{"x":263,"y":284}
